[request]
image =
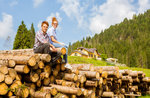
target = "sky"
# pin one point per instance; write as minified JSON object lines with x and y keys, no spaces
{"x":77,"y":18}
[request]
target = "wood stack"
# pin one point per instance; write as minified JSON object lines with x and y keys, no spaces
{"x":25,"y":74}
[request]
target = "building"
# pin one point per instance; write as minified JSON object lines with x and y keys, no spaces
{"x":86,"y":52}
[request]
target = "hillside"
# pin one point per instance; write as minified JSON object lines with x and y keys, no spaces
{"x":128,"y":41}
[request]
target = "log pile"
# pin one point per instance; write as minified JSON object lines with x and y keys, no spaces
{"x":25,"y":74}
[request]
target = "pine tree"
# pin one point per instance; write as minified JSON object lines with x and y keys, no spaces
{"x":32,"y":31}
{"x":23,"y":38}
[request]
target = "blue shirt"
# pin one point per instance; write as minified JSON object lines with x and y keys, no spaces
{"x":51,"y":32}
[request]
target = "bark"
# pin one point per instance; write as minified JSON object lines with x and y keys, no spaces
{"x":84,"y":67}
{"x":108,"y":94}
{"x":71,"y":77}
{"x":91,"y":83}
{"x":39,"y":94}
{"x":67,"y":90}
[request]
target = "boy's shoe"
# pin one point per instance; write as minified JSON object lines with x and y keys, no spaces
{"x":68,"y":66}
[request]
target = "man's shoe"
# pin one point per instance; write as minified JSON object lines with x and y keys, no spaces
{"x":68,"y":66}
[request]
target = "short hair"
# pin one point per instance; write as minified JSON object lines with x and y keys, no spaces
{"x":54,"y":19}
{"x":44,"y":22}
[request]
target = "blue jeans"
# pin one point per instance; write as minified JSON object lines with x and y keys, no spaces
{"x":60,"y":46}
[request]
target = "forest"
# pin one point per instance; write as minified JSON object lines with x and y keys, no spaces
{"x":128,"y":41}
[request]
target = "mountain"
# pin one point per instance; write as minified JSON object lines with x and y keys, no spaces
{"x":128,"y":41}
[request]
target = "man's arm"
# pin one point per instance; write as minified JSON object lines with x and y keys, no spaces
{"x":55,"y":41}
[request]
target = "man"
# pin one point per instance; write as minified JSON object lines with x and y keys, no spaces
{"x":42,"y":44}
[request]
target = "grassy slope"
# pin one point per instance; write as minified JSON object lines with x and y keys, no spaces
{"x":80,"y":60}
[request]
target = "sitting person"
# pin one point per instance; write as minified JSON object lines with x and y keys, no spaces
{"x":42,"y":44}
{"x":53,"y":39}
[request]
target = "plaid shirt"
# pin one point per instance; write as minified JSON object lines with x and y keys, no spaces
{"x":40,"y":38}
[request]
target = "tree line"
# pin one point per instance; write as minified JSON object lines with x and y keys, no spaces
{"x":128,"y":41}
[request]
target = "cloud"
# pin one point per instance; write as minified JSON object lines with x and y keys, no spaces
{"x":110,"y":13}
{"x":36,"y":3}
{"x":49,"y":19}
{"x":6,"y":25}
{"x":13,"y":3}
{"x":143,"y":5}
{"x":73,"y":10}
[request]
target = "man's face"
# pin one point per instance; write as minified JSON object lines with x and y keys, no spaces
{"x":44,"y":28}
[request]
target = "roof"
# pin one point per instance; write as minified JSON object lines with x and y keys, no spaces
{"x":80,"y":52}
{"x":88,"y":49}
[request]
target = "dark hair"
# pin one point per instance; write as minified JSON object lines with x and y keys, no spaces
{"x":44,"y":22}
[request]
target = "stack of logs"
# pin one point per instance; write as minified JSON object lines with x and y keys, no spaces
{"x":25,"y":74}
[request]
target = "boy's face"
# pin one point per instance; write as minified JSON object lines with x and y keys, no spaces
{"x":44,"y":28}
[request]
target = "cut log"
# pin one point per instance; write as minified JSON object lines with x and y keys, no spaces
{"x":44,"y":75}
{"x":91,"y":83}
{"x":108,"y":94}
{"x":46,"y":81}
{"x":38,"y":83}
{"x":60,"y":95}
{"x":114,"y":74}
{"x":61,"y":50}
{"x":8,"y":63}
{"x":12,"y":73}
{"x":41,"y":64}
{"x":84,"y":67}
{"x":99,"y":69}
{"x":2,"y":77}
{"x":67,"y":90}
{"x":90,"y":74}
{"x":104,"y":74}
{"x":55,"y":72}
{"x":22,"y":69}
{"x":45,"y":57}
{"x":59,"y":82}
{"x":22,"y":92}
{"x":146,"y":79}
{"x":33,"y":77}
{"x":20,"y":60}
{"x":8,"y":79}
{"x":3,"y":89}
{"x":39,"y":94}
{"x":71,"y":77}
{"x":81,"y":78}
{"x":52,"y":79}
{"x":108,"y":68}
{"x":3,"y":69}
{"x":48,"y":69}
{"x":52,"y":90}
{"x":30,"y":85}
{"x":133,"y":74}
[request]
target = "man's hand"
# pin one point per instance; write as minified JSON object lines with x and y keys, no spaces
{"x":53,"y":48}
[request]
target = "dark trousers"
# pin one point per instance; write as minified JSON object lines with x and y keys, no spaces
{"x":43,"y":48}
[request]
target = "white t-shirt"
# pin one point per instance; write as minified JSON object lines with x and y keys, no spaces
{"x":52,"y":32}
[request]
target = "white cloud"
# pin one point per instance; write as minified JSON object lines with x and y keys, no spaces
{"x":73,"y":10}
{"x":13,"y":3}
{"x":110,"y":13}
{"x":49,"y":19}
{"x":36,"y":3}
{"x":143,"y":5}
{"x":6,"y":25}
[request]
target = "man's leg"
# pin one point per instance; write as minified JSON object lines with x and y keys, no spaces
{"x":43,"y":48}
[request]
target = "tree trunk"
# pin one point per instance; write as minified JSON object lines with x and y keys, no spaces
{"x":81,"y":78}
{"x":67,"y":90}
{"x":41,"y":64}
{"x":22,"y":92}
{"x":84,"y":67}
{"x":12,"y":73}
{"x":46,"y":81}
